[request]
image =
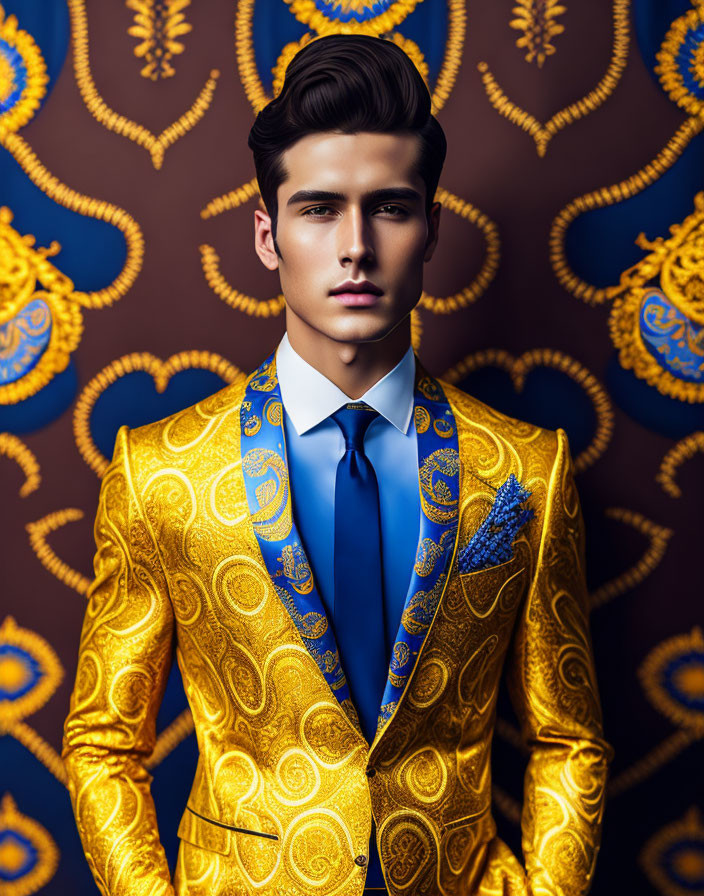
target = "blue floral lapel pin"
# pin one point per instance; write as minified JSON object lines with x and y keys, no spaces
{"x":492,"y":543}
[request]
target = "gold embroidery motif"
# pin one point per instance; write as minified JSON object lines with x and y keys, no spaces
{"x":670,"y":74}
{"x":471,"y":293}
{"x":542,"y":134}
{"x":675,"y":457}
{"x":156,"y":145}
{"x":536,"y":19}
{"x":672,"y":676}
{"x":45,"y":325}
{"x":158,"y":24}
{"x":32,"y":72}
{"x":677,"y":262}
{"x":37,"y":538}
{"x":84,"y":205}
{"x":16,"y":450}
{"x":30,"y":672}
{"x":29,"y":857}
{"x":673,"y":858}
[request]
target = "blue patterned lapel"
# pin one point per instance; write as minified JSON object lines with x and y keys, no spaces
{"x":439,"y":486}
{"x":269,"y":499}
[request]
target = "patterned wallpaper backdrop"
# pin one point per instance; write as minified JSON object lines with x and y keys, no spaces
{"x":567,"y":290}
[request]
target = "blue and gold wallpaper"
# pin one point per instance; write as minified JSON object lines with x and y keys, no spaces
{"x":567,"y":290}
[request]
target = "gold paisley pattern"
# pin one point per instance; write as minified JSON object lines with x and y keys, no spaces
{"x":281,"y":760}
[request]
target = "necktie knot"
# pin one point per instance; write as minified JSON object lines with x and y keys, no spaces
{"x":354,"y":419}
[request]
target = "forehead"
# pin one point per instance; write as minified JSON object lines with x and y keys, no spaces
{"x":353,"y":163}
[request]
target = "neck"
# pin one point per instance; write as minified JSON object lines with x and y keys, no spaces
{"x":354,"y":367}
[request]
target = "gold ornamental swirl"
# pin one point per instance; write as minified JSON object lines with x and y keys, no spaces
{"x":15,"y":449}
{"x":38,"y":532}
{"x":542,"y":134}
{"x":677,"y":455}
{"x":612,"y":195}
{"x":156,"y":145}
{"x":437,"y":501}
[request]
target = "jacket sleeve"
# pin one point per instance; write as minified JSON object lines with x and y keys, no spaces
{"x":553,"y":687}
{"x":123,"y":664}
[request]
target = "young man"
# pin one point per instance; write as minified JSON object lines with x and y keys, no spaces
{"x":343,"y":551}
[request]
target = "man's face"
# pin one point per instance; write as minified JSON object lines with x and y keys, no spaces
{"x":357,"y":234}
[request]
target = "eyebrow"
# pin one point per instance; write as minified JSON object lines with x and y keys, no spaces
{"x":386,"y":194}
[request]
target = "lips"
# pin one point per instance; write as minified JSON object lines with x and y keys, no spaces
{"x":360,"y":287}
{"x":359,"y":294}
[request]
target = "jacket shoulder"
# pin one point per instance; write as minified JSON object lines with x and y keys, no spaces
{"x":172,"y":435}
{"x":473,"y":414}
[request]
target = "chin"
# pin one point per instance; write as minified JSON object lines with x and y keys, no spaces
{"x":362,"y":331}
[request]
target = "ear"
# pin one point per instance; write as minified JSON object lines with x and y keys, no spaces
{"x":264,"y":240}
{"x":433,"y":230}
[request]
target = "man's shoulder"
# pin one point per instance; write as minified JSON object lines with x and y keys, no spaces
{"x":175,"y":433}
{"x":477,"y":420}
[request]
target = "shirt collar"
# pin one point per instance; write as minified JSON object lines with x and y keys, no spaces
{"x":309,"y":397}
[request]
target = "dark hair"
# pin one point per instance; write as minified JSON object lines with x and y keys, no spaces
{"x":348,"y":83}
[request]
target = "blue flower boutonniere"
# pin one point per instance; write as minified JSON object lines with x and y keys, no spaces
{"x":492,"y":543}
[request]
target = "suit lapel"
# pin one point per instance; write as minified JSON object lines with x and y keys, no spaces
{"x":268,"y":491}
{"x":439,"y":487}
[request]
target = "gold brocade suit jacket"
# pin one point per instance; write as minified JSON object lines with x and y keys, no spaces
{"x":286,"y":784}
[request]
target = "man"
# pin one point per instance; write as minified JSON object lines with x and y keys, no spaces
{"x":343,"y":551}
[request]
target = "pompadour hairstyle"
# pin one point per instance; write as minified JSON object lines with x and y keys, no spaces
{"x":347,"y":83}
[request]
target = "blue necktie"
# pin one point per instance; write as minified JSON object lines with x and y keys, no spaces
{"x":358,"y":608}
{"x":358,"y":615}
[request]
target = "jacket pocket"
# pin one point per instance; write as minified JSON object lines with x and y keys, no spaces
{"x":484,"y":588}
{"x":214,"y":835}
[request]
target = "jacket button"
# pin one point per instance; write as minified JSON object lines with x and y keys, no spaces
{"x":361,"y":860}
{"x":371,"y":772}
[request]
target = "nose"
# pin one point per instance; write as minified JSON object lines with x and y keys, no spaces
{"x":356,"y":243}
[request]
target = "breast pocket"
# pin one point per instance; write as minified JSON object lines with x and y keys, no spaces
{"x":494,"y":589}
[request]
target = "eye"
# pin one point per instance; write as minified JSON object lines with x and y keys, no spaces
{"x":316,"y":208}
{"x":398,"y":209}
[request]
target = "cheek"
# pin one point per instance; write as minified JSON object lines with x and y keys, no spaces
{"x":405,"y":248}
